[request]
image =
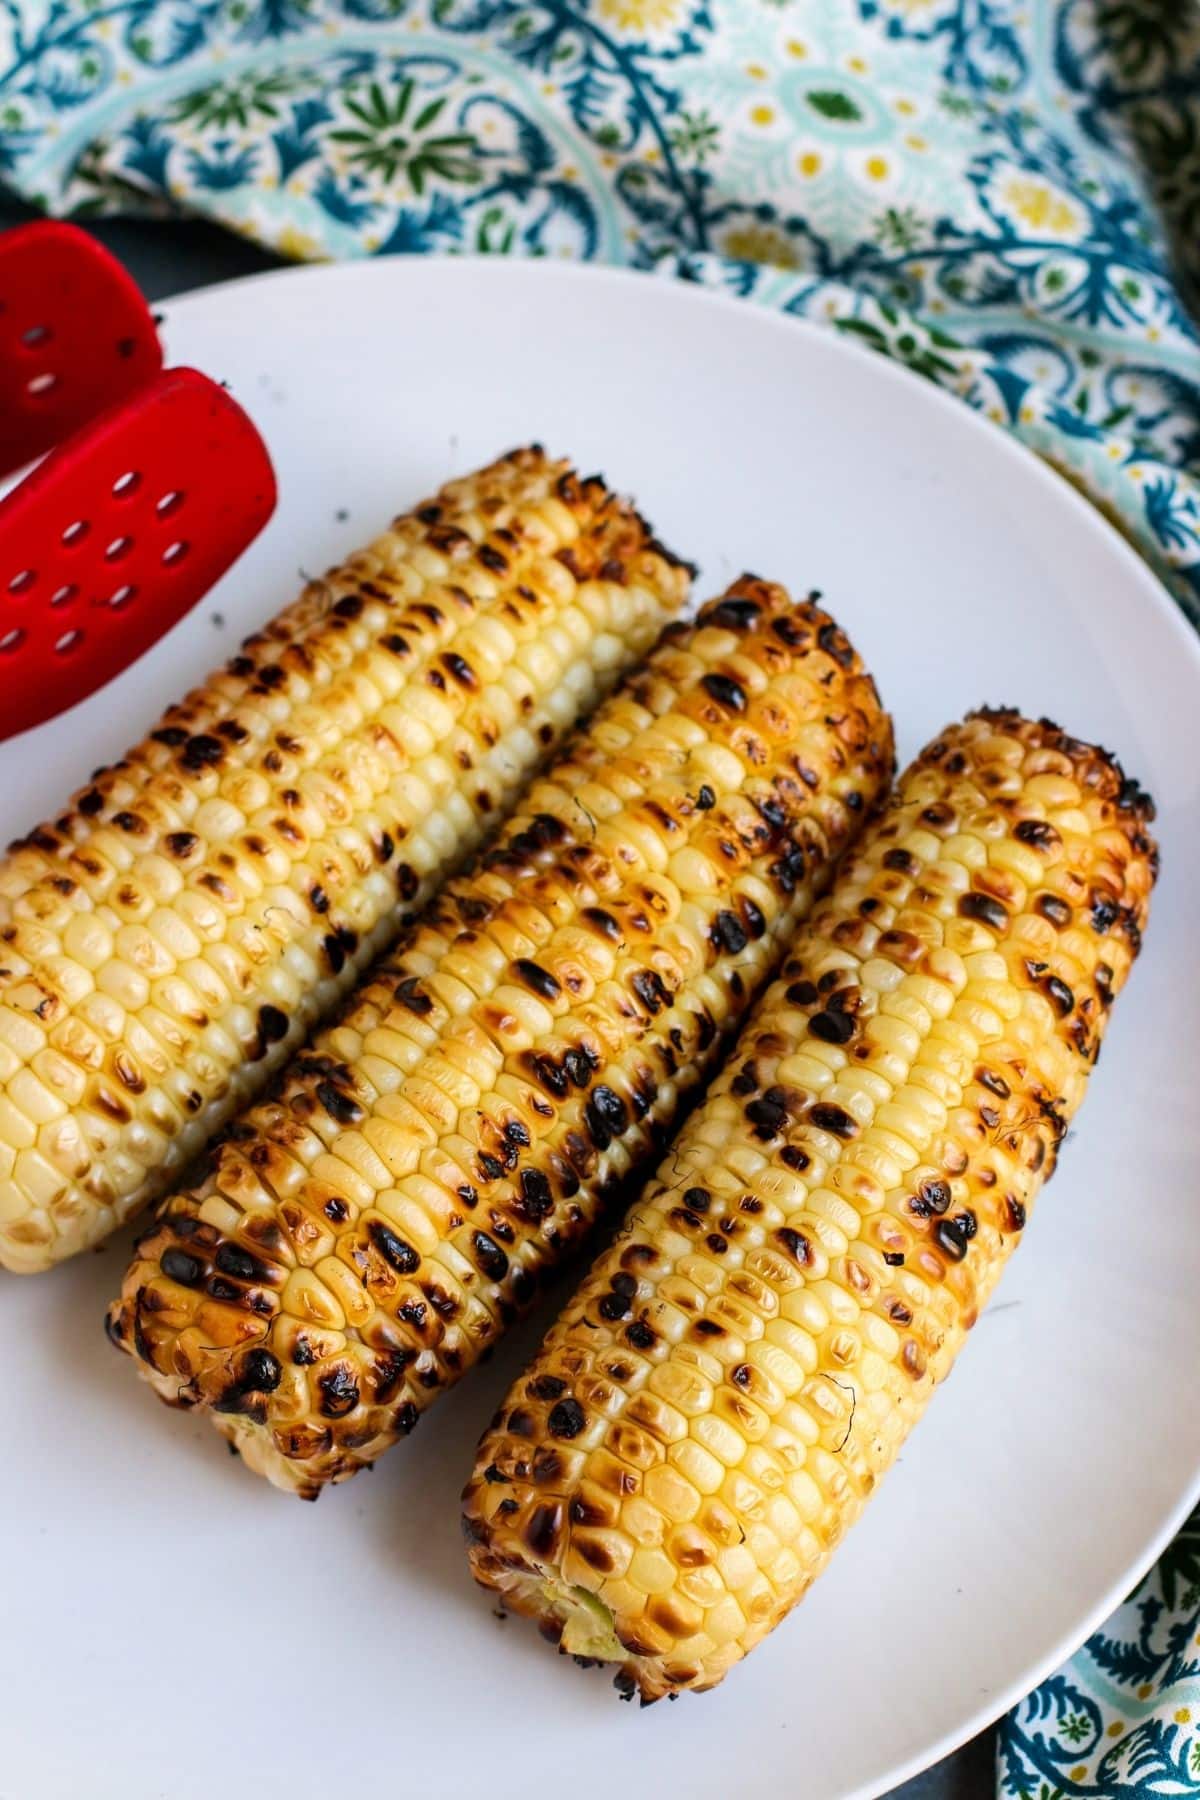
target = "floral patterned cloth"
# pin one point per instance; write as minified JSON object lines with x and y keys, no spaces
{"x":1004,"y":194}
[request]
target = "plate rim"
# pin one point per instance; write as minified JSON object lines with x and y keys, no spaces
{"x":978,"y":427}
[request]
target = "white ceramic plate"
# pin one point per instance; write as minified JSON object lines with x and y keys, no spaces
{"x":173,"y":1627}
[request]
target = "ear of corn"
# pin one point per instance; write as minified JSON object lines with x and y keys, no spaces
{"x":363,"y":1239}
{"x":170,"y":940}
{"x":743,"y":1363}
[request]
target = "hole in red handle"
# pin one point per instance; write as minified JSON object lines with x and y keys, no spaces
{"x":70,"y":640}
{"x":122,"y":597}
{"x":37,"y":334}
{"x":12,"y":640}
{"x":170,"y":503}
{"x":41,"y":384}
{"x":22,"y":581}
{"x":127,"y":484}
{"x":120,"y":546}
{"x":175,"y":553}
{"x":75,"y":534}
{"x":63,"y":595}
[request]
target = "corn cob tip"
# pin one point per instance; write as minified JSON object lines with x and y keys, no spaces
{"x":1104,"y":766}
{"x":585,"y":491}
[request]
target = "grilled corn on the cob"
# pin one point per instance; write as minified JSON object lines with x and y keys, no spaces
{"x":742,"y":1365}
{"x":363,"y":1239}
{"x":170,"y":939}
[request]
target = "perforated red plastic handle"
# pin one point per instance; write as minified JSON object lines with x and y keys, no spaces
{"x":117,"y":534}
{"x":75,"y":336}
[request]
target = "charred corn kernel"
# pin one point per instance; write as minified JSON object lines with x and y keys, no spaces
{"x":810,"y":1257}
{"x":178,"y":930}
{"x":376,"y":1227}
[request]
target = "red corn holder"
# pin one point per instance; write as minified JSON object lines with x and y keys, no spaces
{"x":75,"y":336}
{"x":122,"y":529}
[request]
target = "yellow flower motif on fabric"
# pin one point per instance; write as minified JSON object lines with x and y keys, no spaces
{"x":640,"y":16}
{"x":1034,"y":203}
{"x":299,"y":245}
{"x":761,"y":244}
